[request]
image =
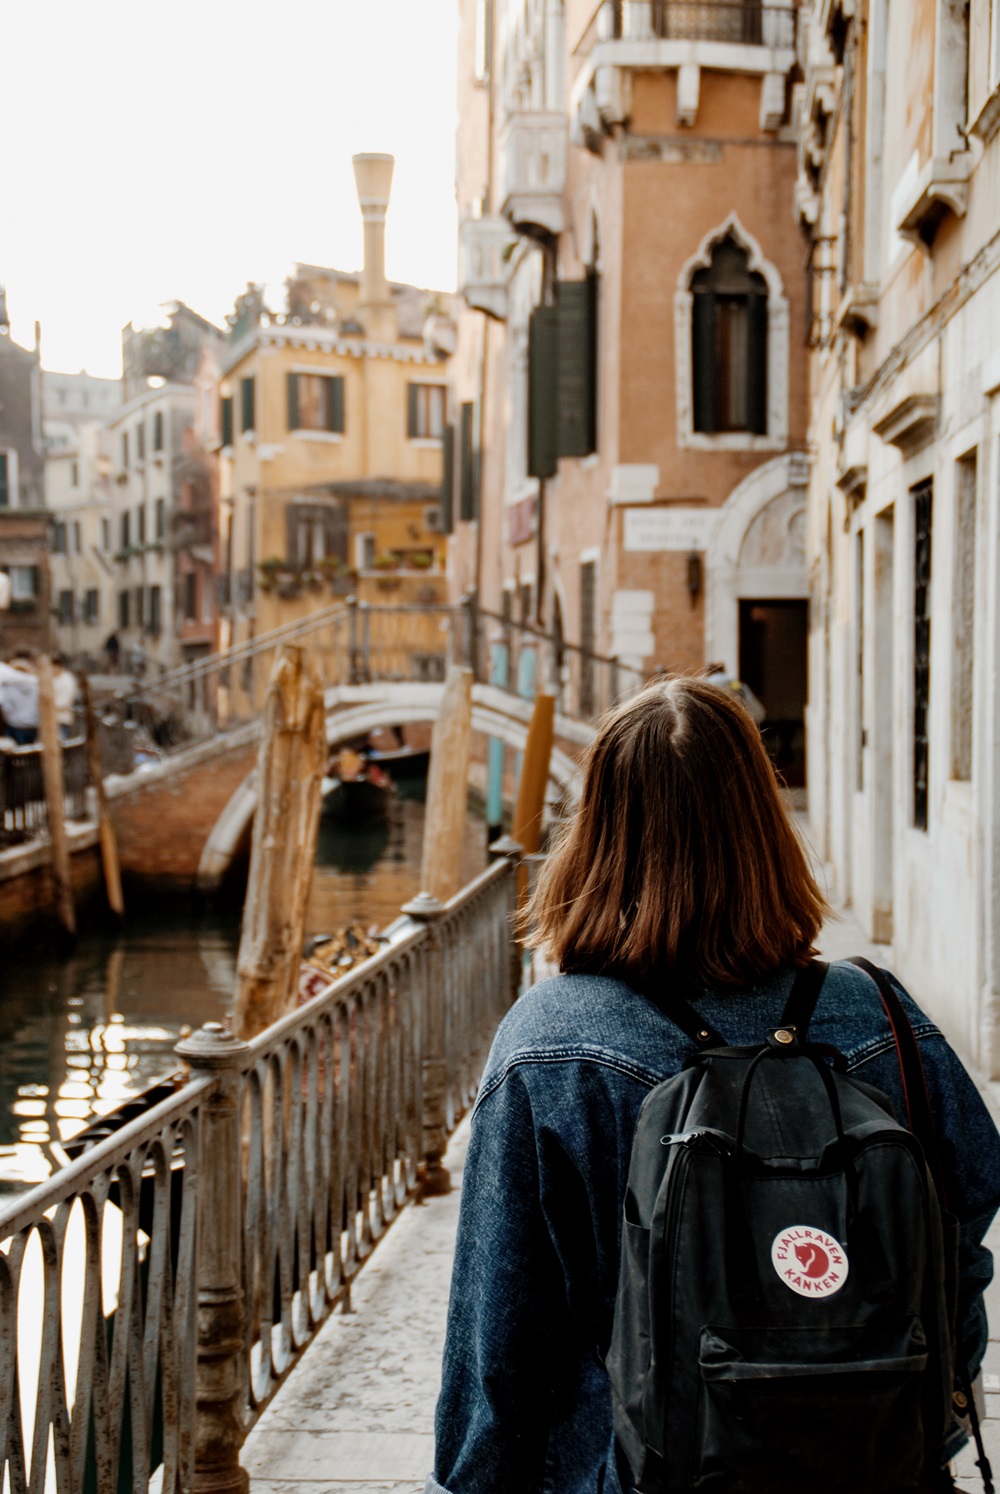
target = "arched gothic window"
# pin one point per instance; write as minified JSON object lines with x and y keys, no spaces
{"x":729,"y":343}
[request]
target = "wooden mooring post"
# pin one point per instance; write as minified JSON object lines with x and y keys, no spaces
{"x":286,"y":823}
{"x":105,"y":829}
{"x":527,"y":825}
{"x":448,"y":788}
{"x":55,"y":797}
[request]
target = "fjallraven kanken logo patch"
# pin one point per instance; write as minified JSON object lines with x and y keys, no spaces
{"x":809,"y":1261}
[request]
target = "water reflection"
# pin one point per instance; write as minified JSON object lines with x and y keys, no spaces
{"x":80,"y":1035}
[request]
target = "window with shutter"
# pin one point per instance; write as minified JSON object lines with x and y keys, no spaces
{"x":158,"y":429}
{"x":543,"y":391}
{"x":426,"y":407}
{"x":226,"y":420}
{"x":4,"y":480}
{"x":577,"y":350}
{"x":729,"y":343}
{"x":316,"y":402}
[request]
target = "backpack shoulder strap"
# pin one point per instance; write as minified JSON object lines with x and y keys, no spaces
{"x":919,"y":1116}
{"x":803,"y":996}
{"x":684,"y":1016}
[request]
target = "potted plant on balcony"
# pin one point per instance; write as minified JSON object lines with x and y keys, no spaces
{"x":269,"y":570}
{"x":388,"y":560}
{"x":422,"y":560}
{"x":339,"y":576}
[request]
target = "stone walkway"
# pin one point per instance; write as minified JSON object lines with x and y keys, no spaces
{"x":357,"y":1414}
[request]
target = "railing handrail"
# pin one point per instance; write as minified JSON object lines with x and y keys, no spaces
{"x":316,"y":621}
{"x":27,"y":1209}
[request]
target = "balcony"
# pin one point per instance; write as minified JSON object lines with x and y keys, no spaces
{"x":745,"y":23}
{"x":533,"y":170}
{"x":738,"y":36}
{"x":483,"y":244}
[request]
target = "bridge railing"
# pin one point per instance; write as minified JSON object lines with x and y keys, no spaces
{"x":360,"y":643}
{"x":23,"y":810}
{"x":156,"y":1292}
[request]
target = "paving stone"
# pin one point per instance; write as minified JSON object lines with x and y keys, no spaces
{"x":357,"y":1412}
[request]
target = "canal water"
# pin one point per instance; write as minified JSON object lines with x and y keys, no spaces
{"x":78,"y":1035}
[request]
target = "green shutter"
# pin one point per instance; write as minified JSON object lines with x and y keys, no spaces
{"x":703,"y":359}
{"x":448,"y":479}
{"x":757,"y":366}
{"x":412,"y":414}
{"x":335,"y":405}
{"x":4,"y":481}
{"x":226,"y":421}
{"x":466,"y":468}
{"x":477,"y":457}
{"x":577,"y":367}
{"x":247,"y":411}
{"x":293,"y":401}
{"x":543,"y":392}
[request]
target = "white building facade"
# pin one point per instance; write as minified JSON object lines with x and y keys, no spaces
{"x":78,"y":500}
{"x":899,"y":193}
{"x":146,"y":450}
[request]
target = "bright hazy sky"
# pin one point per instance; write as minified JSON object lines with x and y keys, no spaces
{"x":175,"y":149}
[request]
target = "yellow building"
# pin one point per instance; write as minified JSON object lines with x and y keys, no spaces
{"x":333,"y":417}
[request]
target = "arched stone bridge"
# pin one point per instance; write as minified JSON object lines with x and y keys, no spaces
{"x":181,"y":823}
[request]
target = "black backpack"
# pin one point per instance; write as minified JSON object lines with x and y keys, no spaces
{"x":785,"y":1318}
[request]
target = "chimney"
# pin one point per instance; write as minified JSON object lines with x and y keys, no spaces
{"x":373,"y":177}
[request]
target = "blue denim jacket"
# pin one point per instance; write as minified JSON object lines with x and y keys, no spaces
{"x":525,"y":1402}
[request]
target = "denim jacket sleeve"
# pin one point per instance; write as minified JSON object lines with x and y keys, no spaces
{"x":507,"y":1318}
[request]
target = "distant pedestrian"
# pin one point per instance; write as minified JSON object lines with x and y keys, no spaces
{"x":19,"y":699}
{"x":66,"y":691}
{"x":718,"y":675}
{"x":112,"y":652}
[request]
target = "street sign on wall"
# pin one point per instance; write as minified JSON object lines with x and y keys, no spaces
{"x":669,"y":528}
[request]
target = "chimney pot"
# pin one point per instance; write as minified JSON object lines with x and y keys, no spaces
{"x":373,"y":178}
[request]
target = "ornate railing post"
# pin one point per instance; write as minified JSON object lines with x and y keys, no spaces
{"x":506,"y":848}
{"x":220,"y":1380}
{"x":427,"y":910}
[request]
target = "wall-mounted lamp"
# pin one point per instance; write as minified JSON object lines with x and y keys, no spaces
{"x":694,"y":576}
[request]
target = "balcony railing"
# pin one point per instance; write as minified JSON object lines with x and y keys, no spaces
{"x":748,"y":23}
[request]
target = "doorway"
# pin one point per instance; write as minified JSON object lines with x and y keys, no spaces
{"x":774,"y":664}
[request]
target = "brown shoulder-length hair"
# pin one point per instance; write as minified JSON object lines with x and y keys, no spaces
{"x":680,"y":859}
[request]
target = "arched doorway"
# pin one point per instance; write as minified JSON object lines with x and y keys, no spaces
{"x":757,"y":601}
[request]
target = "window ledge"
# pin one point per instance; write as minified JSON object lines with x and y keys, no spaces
{"x":910,"y":424}
{"x":731,"y":441}
{"x":249,"y":437}
{"x":331,"y":437}
{"x":858,"y":310}
{"x":430,"y":442}
{"x":942,"y":187}
{"x":987,"y":121}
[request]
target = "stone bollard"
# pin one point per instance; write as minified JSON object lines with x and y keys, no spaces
{"x":220,"y":1380}
{"x":427,"y":910}
{"x":506,"y":848}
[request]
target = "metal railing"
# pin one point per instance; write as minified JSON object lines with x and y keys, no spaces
{"x":361,"y":643}
{"x":155,"y":1293}
{"x":753,"y":23}
{"x":23,"y":810}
